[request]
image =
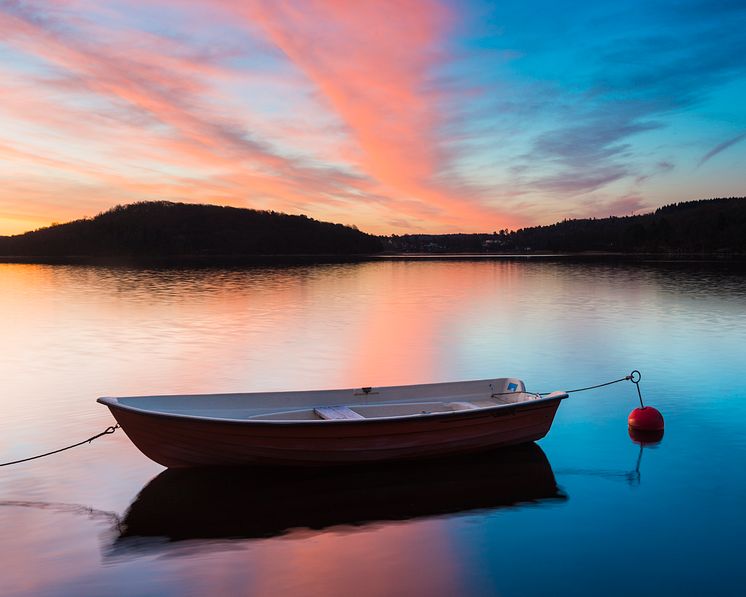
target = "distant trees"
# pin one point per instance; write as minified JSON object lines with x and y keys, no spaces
{"x":704,"y":226}
{"x":164,"y":229}
{"x":157,"y":229}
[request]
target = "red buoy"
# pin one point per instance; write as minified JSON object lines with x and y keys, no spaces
{"x":646,"y":418}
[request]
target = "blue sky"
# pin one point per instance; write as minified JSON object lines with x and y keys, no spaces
{"x":609,"y":104}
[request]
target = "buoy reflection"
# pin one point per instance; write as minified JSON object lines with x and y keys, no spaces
{"x":645,"y":437}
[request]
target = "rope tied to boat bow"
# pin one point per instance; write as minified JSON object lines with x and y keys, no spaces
{"x":108,"y":431}
{"x":635,"y":377}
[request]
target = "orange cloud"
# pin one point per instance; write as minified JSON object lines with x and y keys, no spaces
{"x":372,"y":63}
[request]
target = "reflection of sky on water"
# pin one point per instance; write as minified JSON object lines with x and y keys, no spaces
{"x":70,"y":334}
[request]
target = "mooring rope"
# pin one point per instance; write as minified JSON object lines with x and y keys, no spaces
{"x":107,"y":431}
{"x":634,"y":377}
{"x":80,"y":509}
{"x":601,"y":385}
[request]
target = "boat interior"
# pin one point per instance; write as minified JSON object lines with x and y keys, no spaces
{"x":339,"y":405}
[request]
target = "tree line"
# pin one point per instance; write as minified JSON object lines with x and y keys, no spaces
{"x":174,"y":229}
{"x":704,"y":226}
{"x":165,"y":229}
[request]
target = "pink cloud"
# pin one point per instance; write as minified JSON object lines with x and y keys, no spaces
{"x":179,"y":129}
{"x":372,"y":63}
{"x":132,"y":115}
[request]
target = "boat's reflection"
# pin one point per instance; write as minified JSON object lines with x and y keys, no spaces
{"x":184,"y":504}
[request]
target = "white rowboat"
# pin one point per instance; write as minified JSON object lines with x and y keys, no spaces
{"x":324,"y":427}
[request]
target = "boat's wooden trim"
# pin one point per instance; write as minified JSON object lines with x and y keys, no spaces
{"x":497,"y":410}
{"x":241,"y":406}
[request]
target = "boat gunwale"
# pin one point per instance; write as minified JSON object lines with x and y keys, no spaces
{"x":504,"y":409}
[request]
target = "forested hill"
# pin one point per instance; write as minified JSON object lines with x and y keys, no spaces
{"x":157,"y":230}
{"x":164,"y":229}
{"x":706,"y":226}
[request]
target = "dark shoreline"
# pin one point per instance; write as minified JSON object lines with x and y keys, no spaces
{"x":305,"y":259}
{"x":183,"y":260}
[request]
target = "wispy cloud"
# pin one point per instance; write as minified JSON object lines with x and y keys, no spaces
{"x":151,"y":83}
{"x":626,"y":79}
{"x":721,"y":147}
{"x":372,"y":65}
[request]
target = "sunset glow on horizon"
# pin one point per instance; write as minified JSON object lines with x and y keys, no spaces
{"x":395,"y":116}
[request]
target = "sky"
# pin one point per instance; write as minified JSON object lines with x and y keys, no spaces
{"x":397,"y":116}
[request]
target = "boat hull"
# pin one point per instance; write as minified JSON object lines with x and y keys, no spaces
{"x":176,"y":441}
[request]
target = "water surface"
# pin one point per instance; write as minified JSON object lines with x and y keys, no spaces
{"x":580,"y":513}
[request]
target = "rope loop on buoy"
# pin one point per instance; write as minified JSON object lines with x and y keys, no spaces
{"x":636,"y":380}
{"x":108,"y":431}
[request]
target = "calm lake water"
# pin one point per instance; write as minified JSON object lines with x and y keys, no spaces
{"x":578,"y":513}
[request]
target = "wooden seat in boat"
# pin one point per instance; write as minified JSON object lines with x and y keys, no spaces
{"x":330,"y":413}
{"x":461,"y":405}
